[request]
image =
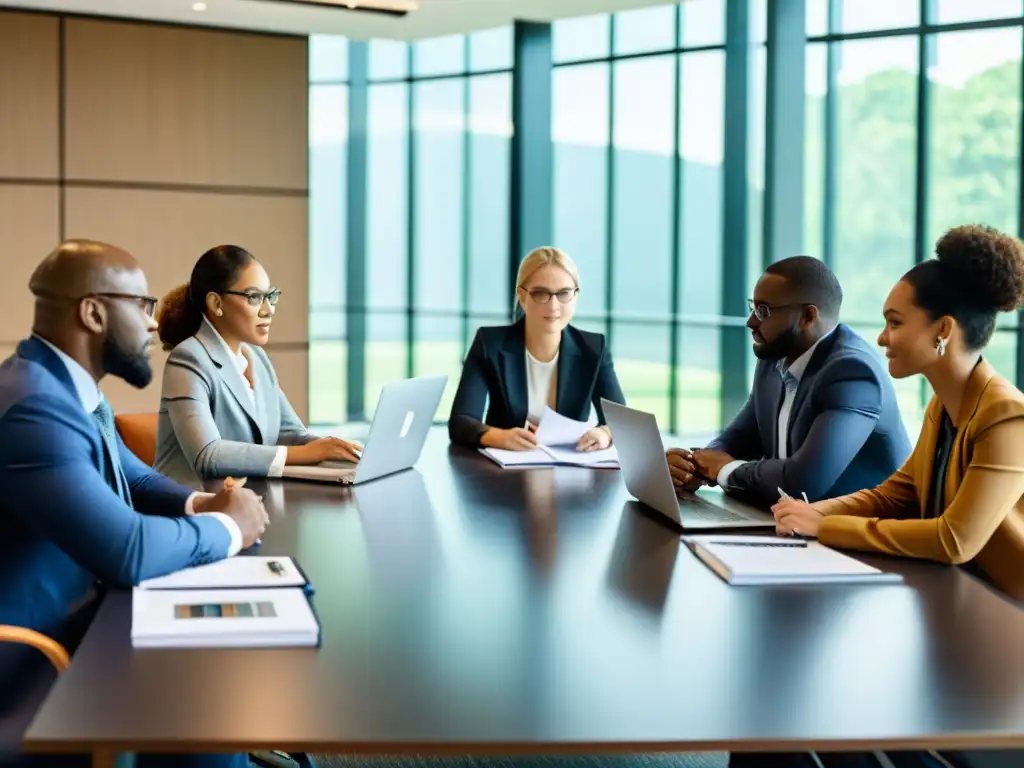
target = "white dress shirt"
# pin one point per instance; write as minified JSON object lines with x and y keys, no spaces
{"x":541,"y":384}
{"x":89,"y":395}
{"x":791,"y":382}
{"x":241,"y":364}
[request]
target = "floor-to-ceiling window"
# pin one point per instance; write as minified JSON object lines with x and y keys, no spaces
{"x":913,"y":126}
{"x":438,"y":179}
{"x":328,"y":138}
{"x":638,"y":102}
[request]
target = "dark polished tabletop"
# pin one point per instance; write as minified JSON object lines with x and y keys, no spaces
{"x":469,"y":609}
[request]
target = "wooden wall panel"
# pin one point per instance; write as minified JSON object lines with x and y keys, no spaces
{"x":168,"y":231}
{"x":28,"y":95}
{"x":28,"y":221}
{"x":156,"y":104}
{"x":152,"y":116}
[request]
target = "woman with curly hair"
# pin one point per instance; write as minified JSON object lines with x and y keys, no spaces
{"x":958,"y":498}
{"x":222,"y":411}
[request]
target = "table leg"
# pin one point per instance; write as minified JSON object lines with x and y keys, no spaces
{"x":108,"y":758}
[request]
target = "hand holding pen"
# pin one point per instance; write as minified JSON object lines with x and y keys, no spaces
{"x":796,"y":518}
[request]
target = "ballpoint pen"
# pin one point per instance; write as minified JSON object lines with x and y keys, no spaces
{"x":766,"y":543}
{"x":784,"y":495}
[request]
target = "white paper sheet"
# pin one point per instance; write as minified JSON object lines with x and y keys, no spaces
{"x":556,"y":429}
{"x":231,"y":573}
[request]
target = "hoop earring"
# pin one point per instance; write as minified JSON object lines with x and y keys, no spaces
{"x":940,"y":346}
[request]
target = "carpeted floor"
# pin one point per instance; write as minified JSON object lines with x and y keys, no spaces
{"x":668,"y":760}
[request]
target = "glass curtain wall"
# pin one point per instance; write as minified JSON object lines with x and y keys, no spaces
{"x":638,"y":130}
{"x":438,"y":180}
{"x":913,"y":126}
{"x":328,"y":156}
{"x":913,"y":111}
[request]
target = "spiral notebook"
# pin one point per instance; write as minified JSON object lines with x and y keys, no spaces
{"x":762,"y":560}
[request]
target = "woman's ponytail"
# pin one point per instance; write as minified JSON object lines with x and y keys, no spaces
{"x":178,"y":318}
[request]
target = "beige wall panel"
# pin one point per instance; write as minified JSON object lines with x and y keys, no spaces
{"x":165,"y":104}
{"x":28,"y":221}
{"x":292,"y":366}
{"x":169,"y":231}
{"x":28,"y":95}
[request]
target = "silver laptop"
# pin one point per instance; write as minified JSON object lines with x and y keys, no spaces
{"x":401,"y":423}
{"x":642,"y":457}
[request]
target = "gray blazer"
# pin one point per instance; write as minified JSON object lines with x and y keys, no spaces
{"x":208,"y":426}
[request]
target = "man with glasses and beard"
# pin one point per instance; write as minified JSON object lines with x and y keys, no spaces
{"x":822,"y":417}
{"x":79,"y":512}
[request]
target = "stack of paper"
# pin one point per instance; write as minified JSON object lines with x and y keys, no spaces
{"x":756,"y":560}
{"x":557,"y":437}
{"x":235,"y":603}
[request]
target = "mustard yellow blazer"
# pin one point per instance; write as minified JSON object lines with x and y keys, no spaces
{"x":983,"y":517}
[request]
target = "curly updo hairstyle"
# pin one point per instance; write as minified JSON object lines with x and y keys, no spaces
{"x":977,"y":272}
{"x":181,"y":311}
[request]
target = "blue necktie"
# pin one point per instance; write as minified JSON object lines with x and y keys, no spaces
{"x":115,"y":476}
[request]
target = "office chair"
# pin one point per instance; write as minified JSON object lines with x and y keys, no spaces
{"x":138,"y":432}
{"x":14,"y":722}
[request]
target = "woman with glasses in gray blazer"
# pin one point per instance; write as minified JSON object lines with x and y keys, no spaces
{"x":222,"y":411}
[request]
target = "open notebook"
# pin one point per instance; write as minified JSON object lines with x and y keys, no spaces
{"x":240,"y":602}
{"x":557,"y":437}
{"x":760,"y":560}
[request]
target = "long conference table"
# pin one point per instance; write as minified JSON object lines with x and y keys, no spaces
{"x":467,"y":609}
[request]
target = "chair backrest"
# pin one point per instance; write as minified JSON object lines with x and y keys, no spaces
{"x":138,"y":431}
{"x":17,"y":714}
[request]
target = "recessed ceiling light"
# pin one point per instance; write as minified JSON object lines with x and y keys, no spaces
{"x":198,"y":6}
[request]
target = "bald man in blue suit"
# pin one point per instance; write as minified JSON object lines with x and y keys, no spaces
{"x":79,"y":513}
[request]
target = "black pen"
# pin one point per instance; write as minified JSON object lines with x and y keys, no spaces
{"x":797,"y":543}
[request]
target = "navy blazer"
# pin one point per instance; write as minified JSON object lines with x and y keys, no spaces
{"x":845,"y":432}
{"x":63,"y":531}
{"x":494,"y":376}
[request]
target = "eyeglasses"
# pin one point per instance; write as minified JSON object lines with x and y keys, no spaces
{"x":146,"y":303}
{"x":543,"y":295}
{"x":256,"y":298}
{"x":763,"y":311}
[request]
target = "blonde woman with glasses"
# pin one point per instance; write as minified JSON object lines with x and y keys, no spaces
{"x":539,"y":361}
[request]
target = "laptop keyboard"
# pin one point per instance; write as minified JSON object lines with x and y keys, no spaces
{"x":700,"y":509}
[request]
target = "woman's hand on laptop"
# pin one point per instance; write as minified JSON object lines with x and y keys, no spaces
{"x":683,"y":469}
{"x":324,"y":449}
